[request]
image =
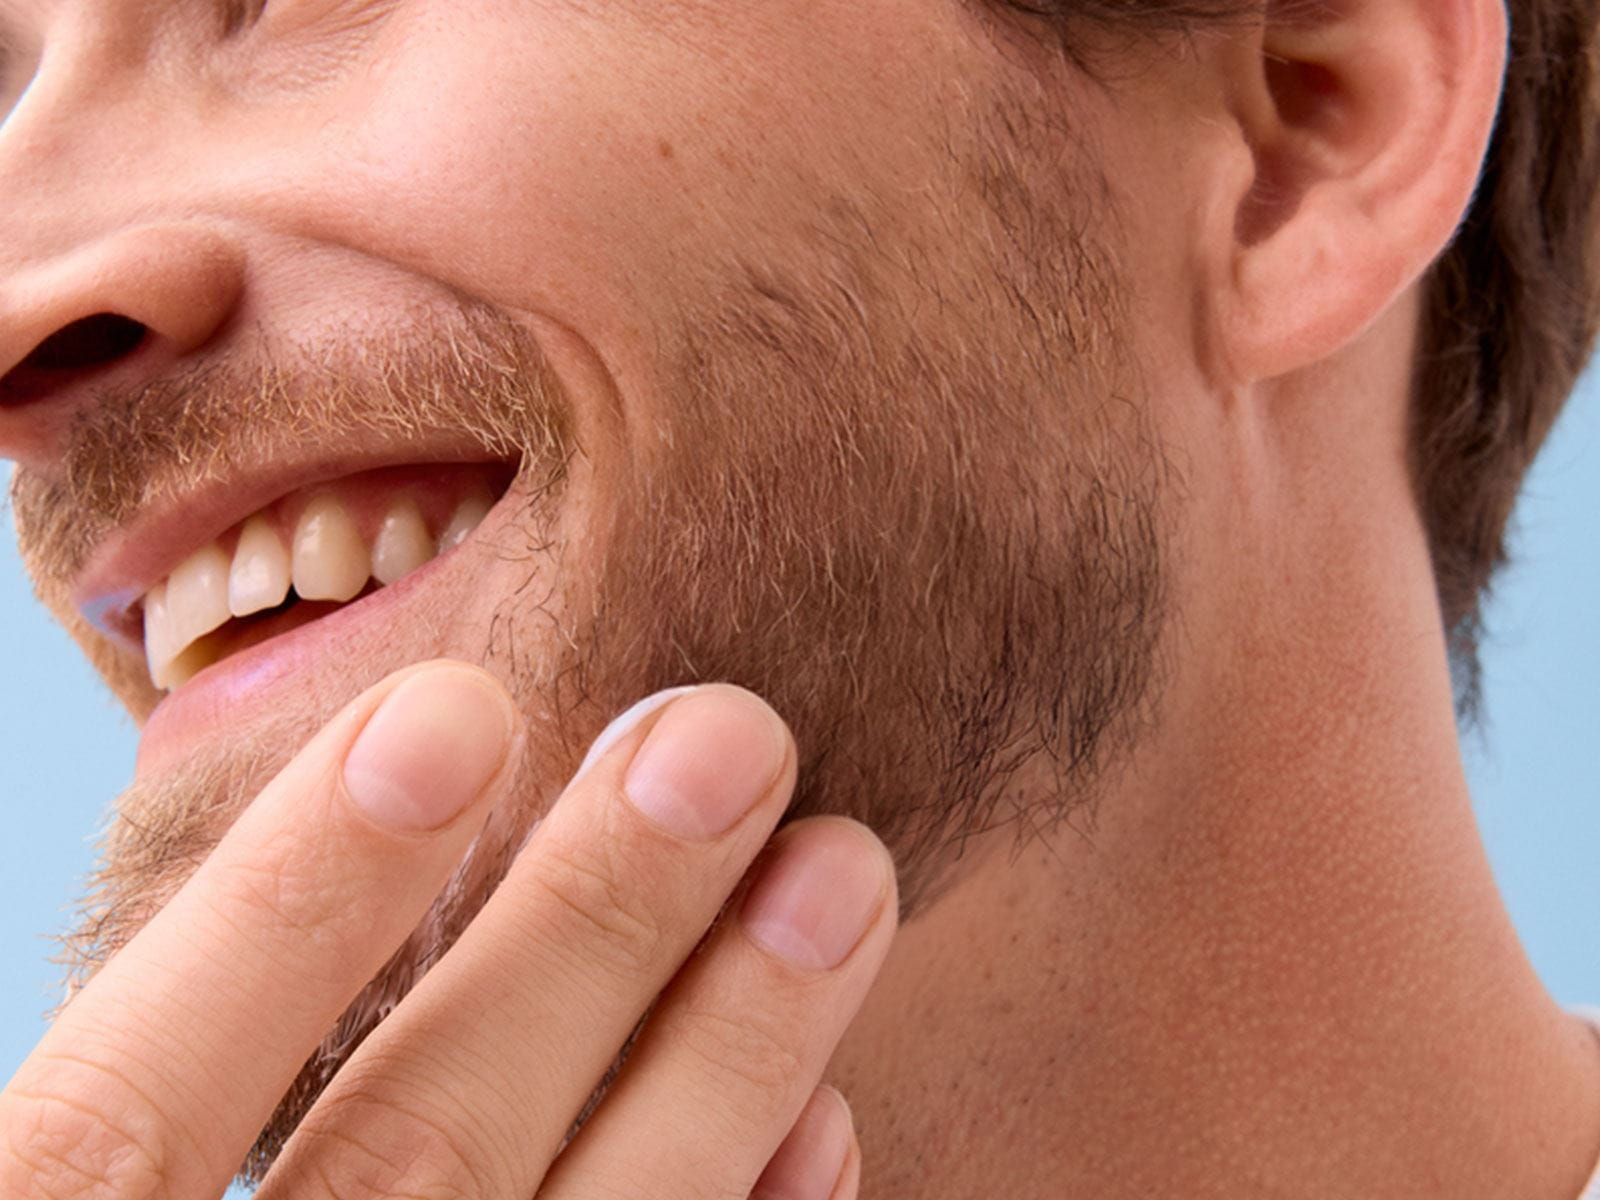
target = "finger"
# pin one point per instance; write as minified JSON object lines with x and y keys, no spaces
{"x":159,"y":1075}
{"x":727,"y":1062}
{"x":849,"y":1186}
{"x":810,"y":1164}
{"x":472,"y":1083}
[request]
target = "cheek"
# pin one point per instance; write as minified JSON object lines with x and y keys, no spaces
{"x":597,"y":170}
{"x":445,"y":176}
{"x":531,"y":179}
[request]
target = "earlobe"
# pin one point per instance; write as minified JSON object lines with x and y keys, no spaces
{"x":1366,"y":122}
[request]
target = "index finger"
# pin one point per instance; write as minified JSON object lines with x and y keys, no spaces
{"x":160,"y":1074}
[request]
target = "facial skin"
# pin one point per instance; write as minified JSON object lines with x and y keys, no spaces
{"x":1033,"y":440}
{"x":787,"y":409}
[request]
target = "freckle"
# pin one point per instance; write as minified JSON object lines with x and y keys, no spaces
{"x":666,"y":149}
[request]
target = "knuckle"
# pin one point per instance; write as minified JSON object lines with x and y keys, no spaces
{"x":58,"y":1147}
{"x":361,"y":1147}
{"x":713,"y":1163}
{"x":307,"y":906}
{"x":598,"y":907}
{"x":744,"y":1051}
{"x":283,"y":896}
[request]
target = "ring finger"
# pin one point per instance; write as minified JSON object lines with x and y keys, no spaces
{"x":740,"y":1038}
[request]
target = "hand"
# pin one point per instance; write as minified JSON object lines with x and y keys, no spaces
{"x":157,"y":1077}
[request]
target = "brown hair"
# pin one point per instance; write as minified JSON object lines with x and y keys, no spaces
{"x":1512,"y":306}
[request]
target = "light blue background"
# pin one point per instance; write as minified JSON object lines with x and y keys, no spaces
{"x":65,"y":751}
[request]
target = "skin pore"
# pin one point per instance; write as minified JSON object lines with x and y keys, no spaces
{"x":867,"y":357}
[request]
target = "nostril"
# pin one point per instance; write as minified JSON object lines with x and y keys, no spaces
{"x":86,"y":344}
{"x":80,"y":348}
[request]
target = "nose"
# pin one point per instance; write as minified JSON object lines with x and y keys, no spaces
{"x":120,"y":309}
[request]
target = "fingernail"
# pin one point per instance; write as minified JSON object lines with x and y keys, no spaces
{"x":434,"y":744}
{"x":808,"y":1164}
{"x":817,"y":895}
{"x":707,"y":761}
{"x":626,"y":723}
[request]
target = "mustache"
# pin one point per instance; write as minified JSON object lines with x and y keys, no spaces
{"x":469,"y":374}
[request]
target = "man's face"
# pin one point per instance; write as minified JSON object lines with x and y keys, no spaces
{"x":788,"y":343}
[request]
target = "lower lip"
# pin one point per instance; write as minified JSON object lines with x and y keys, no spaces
{"x":220,"y":697}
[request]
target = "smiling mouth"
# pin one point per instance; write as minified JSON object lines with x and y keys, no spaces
{"x":306,"y":555}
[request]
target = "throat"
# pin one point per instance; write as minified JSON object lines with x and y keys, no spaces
{"x":1112,"y":1015}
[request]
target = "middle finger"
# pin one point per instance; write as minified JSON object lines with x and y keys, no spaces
{"x":470,"y":1087}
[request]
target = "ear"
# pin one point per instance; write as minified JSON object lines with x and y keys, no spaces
{"x":1366,"y":122}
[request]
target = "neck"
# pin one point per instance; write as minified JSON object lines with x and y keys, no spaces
{"x":1275,"y":963}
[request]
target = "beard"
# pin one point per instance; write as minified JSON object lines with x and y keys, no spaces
{"x":902,"y":485}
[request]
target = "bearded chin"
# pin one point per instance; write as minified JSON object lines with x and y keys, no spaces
{"x":934,"y":547}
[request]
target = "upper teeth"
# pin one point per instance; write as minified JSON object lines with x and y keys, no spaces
{"x":331,"y":562}
{"x":260,"y":575}
{"x":402,"y":544}
{"x":327,"y":559}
